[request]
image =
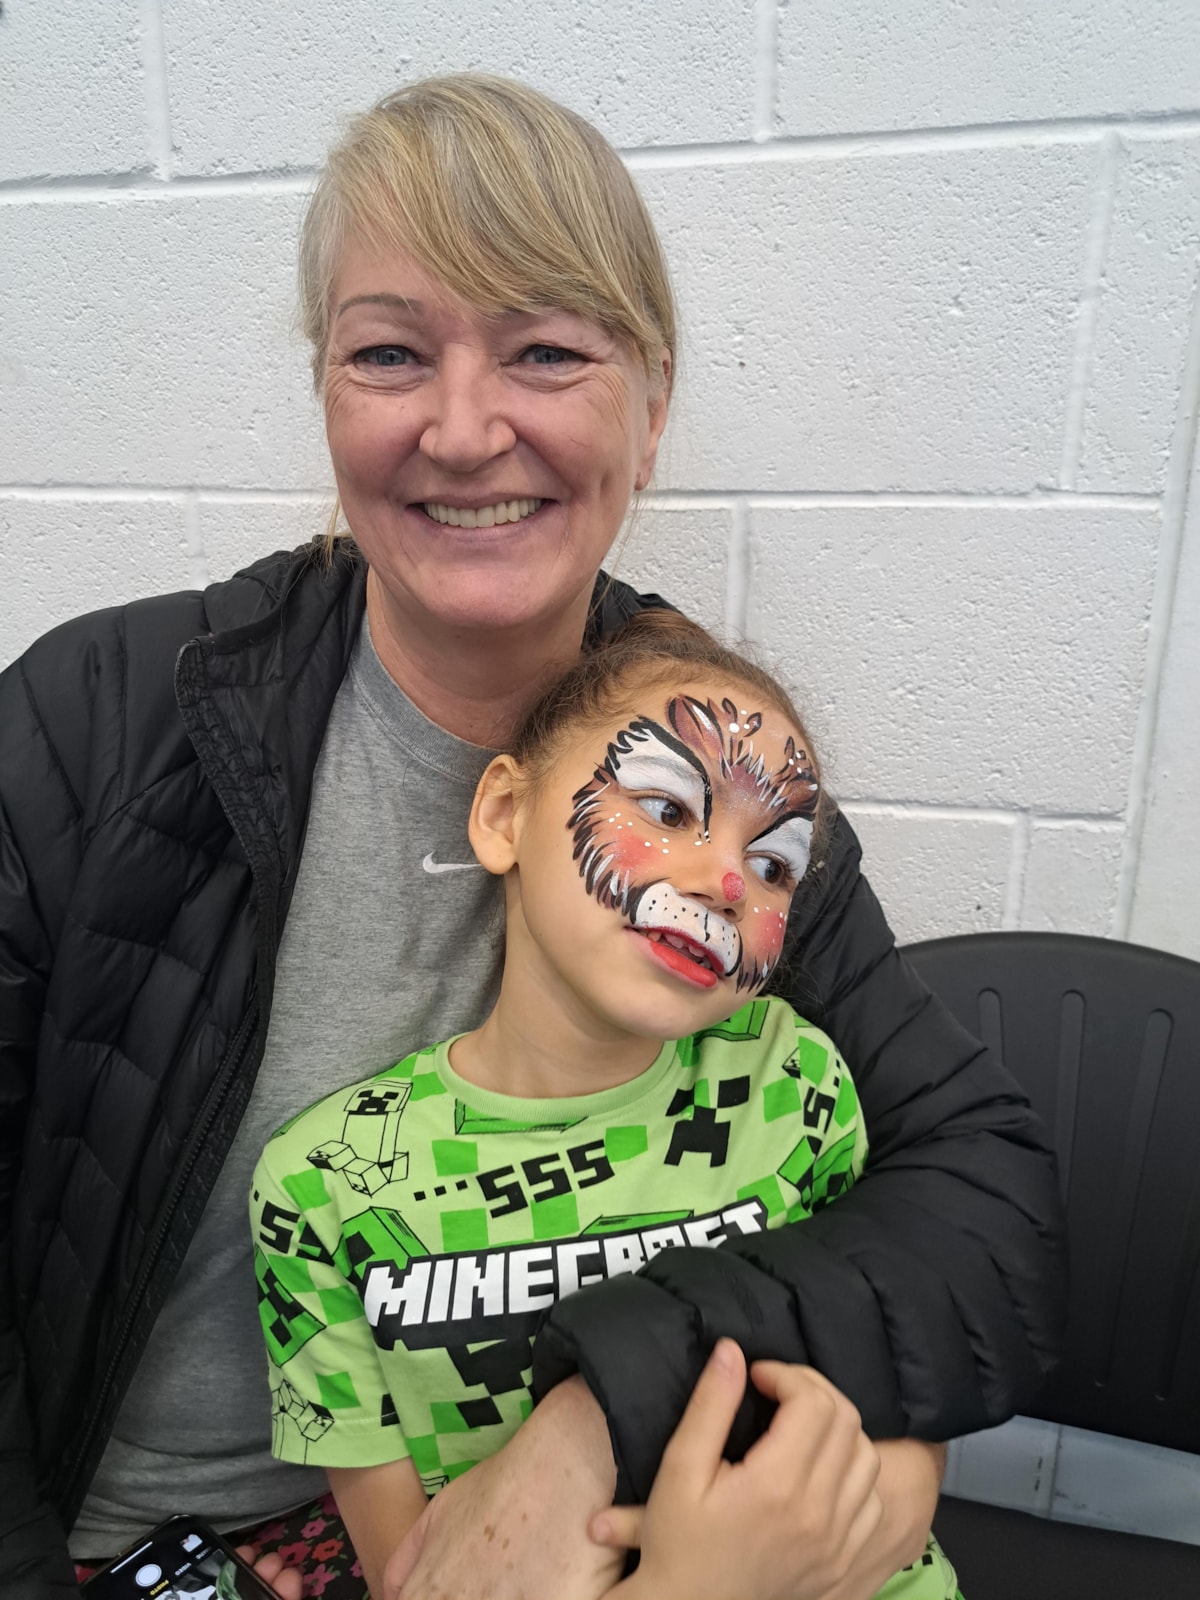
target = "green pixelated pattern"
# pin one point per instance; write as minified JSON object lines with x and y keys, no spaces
{"x":408,"y":1240}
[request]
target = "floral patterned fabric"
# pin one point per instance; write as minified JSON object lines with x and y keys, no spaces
{"x":312,"y":1538}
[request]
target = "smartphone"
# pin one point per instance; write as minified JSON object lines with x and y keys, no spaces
{"x":182,"y":1559}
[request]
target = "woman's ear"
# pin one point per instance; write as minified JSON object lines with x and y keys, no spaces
{"x":492,"y":827}
{"x":658,"y":400}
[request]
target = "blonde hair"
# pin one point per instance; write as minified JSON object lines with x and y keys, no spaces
{"x":510,"y":200}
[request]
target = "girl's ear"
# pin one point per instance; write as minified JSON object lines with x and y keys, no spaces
{"x":494,"y":813}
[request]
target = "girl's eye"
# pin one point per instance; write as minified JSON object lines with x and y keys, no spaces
{"x":770,"y":869}
{"x":667,"y":813}
{"x":548,"y":355}
{"x":384,"y":356}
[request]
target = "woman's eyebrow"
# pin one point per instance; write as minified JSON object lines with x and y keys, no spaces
{"x":397,"y":301}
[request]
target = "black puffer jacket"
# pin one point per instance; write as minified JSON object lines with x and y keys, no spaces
{"x":155,"y":768}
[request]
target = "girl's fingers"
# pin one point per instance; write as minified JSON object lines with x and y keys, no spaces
{"x":779,"y":1380}
{"x":286,"y":1581}
{"x":814,"y":1422}
{"x":619,"y":1526}
{"x":695,"y":1450}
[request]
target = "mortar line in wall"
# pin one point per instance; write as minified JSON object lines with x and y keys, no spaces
{"x":766,"y":68}
{"x":1052,"y":1484}
{"x":1162,"y":606}
{"x":869,"y":142}
{"x":665,"y":500}
{"x":139,"y":184}
{"x":932,"y":810}
{"x":737,"y":572}
{"x":142,"y":185}
{"x":1018,"y":862}
{"x":67,"y":493}
{"x":1099,"y":233}
{"x":158,"y":95}
{"x":924,"y":500}
{"x":194,"y":540}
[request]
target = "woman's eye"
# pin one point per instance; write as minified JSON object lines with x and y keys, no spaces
{"x":667,"y":813}
{"x":548,"y":355}
{"x":384,"y":356}
{"x":770,"y":870}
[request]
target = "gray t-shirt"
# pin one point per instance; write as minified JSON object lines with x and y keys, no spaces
{"x":394,"y":940}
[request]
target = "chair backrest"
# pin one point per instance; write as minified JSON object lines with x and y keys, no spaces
{"x":1104,"y":1037}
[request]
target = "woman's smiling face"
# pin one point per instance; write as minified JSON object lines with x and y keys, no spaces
{"x":484,"y":464}
{"x":657,"y":861}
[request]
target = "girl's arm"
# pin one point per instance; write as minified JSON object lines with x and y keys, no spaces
{"x":379,"y":1505}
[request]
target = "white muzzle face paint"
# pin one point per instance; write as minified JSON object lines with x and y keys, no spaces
{"x":663,"y":908}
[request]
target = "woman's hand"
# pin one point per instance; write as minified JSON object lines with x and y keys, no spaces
{"x":910,"y":1479}
{"x":787,"y":1523}
{"x":515,"y":1526}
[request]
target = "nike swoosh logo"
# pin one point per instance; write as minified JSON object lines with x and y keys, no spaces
{"x":431,"y":865}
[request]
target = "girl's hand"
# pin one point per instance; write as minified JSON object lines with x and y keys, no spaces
{"x":285,"y":1581}
{"x":786,"y":1523}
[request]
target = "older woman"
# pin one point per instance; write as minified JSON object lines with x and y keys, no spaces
{"x":234,"y":875}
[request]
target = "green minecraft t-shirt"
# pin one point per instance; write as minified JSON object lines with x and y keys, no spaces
{"x":411,"y":1230}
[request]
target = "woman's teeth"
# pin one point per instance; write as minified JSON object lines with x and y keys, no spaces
{"x":482,"y":516}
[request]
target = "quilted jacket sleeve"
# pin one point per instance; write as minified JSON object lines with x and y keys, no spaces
{"x":38,"y":821}
{"x":932,"y":1293}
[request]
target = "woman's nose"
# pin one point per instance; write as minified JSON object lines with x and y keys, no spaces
{"x":467,"y":427}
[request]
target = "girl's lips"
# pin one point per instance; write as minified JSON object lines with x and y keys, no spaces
{"x":676,"y":962}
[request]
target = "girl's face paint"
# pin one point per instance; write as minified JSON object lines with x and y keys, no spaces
{"x":696,"y":827}
{"x":661,"y":906}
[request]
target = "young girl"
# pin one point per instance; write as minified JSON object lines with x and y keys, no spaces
{"x":631,"y":1092}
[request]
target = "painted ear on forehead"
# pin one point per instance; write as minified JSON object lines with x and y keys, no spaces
{"x":699,"y":726}
{"x":723,"y":740}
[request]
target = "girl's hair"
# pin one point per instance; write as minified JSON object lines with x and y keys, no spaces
{"x":654,"y":648}
{"x":509,"y":199}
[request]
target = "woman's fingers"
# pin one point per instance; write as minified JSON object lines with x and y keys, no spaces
{"x":694,"y":1452}
{"x":618,"y":1526}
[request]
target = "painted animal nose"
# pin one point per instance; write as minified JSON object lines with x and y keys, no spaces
{"x":733,"y":887}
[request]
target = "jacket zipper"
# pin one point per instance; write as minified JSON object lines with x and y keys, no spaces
{"x":208,"y":1115}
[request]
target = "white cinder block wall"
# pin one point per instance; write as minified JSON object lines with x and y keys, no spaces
{"x":935,"y":436}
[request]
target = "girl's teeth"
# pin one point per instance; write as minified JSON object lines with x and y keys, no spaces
{"x":483,"y":516}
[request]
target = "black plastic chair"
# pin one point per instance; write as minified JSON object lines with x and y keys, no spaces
{"x":1104,"y":1037}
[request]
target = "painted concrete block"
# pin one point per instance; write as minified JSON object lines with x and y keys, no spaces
{"x":71,"y":556}
{"x":898,"y":321}
{"x":939,"y":63}
{"x":264,"y":86}
{"x":1070,"y":877}
{"x":233,"y":533}
{"x":967,"y":655}
{"x":680,"y":553}
{"x":1012,"y":1465}
{"x":935,"y":875}
{"x":1166,"y":906}
{"x":72,"y":91}
{"x":1118,"y":1483}
{"x":1150,"y":282}
{"x":152,"y":344}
